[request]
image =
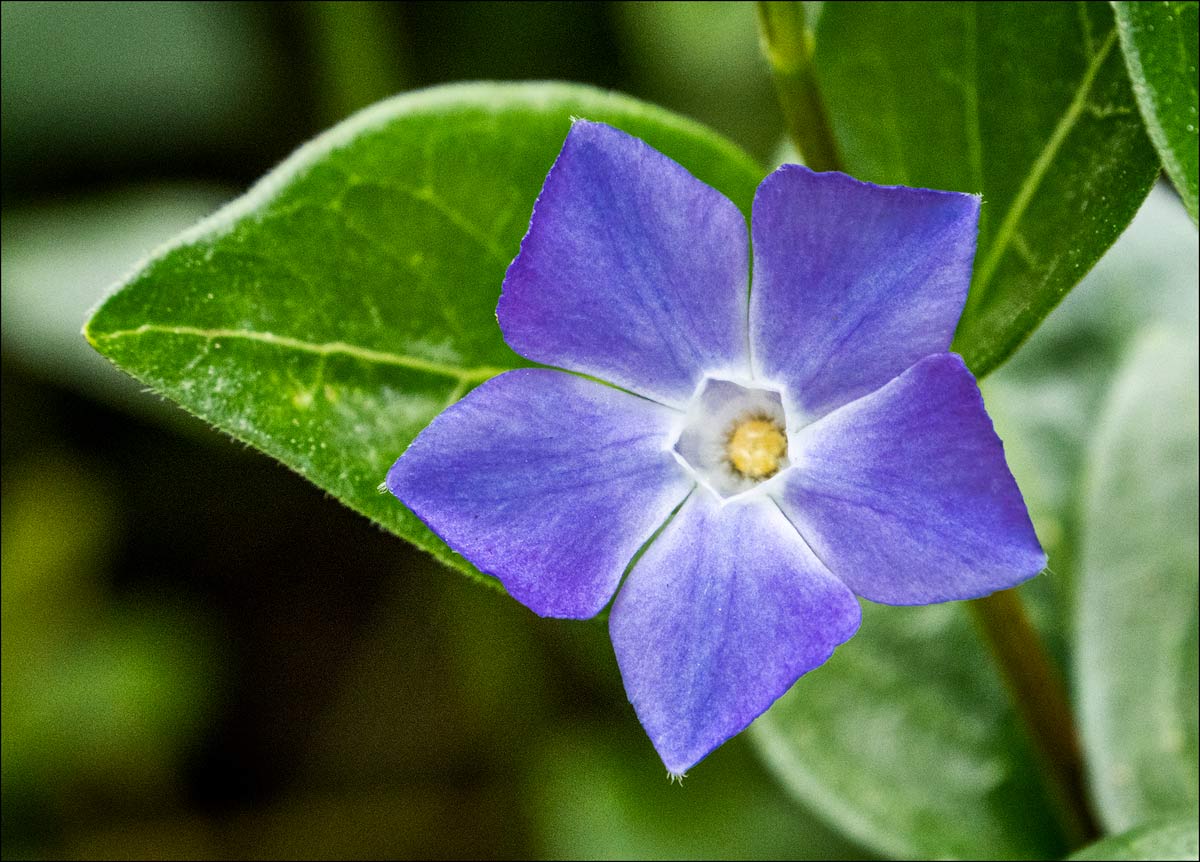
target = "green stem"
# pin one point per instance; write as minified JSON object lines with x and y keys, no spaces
{"x":1037,"y":691}
{"x":788,"y":44}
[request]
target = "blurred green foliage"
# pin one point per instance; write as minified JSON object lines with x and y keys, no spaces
{"x":100,"y":697}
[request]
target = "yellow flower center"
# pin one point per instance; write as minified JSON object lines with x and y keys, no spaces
{"x":756,"y":447}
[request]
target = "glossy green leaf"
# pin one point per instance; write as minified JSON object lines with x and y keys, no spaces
{"x":905,"y":740}
{"x":1137,"y":620}
{"x":1162,"y":841}
{"x":1159,"y":41}
{"x":1026,"y":103}
{"x":329,"y":314}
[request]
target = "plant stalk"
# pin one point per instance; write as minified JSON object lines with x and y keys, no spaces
{"x":1037,"y":691}
{"x":788,"y":43}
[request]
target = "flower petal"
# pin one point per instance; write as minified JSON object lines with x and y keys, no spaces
{"x":905,"y":494}
{"x":721,"y":615}
{"x":633,"y":271}
{"x":853,"y":282}
{"x":548,"y":481}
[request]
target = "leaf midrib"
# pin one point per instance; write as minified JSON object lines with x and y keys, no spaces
{"x":1029,"y":187}
{"x":464,"y":375}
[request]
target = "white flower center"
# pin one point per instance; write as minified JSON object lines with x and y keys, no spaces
{"x":733,"y":437}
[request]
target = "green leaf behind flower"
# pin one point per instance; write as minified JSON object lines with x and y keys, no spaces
{"x":1159,"y":41}
{"x":1136,"y":631}
{"x":1161,"y":840}
{"x":329,"y":314}
{"x":906,"y":741}
{"x":1026,"y":103}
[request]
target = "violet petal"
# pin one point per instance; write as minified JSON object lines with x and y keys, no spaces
{"x":546,"y":480}
{"x":722,"y":614}
{"x":853,"y":282}
{"x":633,"y":271}
{"x":905,"y":494}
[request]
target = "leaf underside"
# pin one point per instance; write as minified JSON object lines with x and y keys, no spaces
{"x":1136,"y":632}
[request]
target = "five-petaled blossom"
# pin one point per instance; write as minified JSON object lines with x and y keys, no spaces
{"x":772,"y":446}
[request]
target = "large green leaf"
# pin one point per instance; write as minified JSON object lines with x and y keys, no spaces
{"x":905,"y":740}
{"x":329,"y":314}
{"x":1137,"y":621}
{"x":1160,"y":45}
{"x":1026,"y":103}
{"x":1160,"y":841}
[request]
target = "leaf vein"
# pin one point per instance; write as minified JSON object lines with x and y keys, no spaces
{"x":429,"y":197}
{"x":465,"y":375}
{"x":1008,"y":228}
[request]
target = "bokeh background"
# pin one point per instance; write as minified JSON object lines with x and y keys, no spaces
{"x":204,"y":656}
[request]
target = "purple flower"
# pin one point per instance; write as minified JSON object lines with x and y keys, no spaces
{"x":771,"y":452}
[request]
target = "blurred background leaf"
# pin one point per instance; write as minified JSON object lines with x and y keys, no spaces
{"x":710,"y":68}
{"x":357,"y":52}
{"x":1160,"y":41}
{"x":62,"y":256}
{"x":1136,"y":633}
{"x":906,"y":741}
{"x":100,"y":702}
{"x":1160,"y":840}
{"x":131,"y":90}
{"x":1028,"y":104}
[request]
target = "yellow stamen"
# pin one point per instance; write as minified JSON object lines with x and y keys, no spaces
{"x":756,"y":447}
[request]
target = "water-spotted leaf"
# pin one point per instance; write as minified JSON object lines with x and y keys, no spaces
{"x":329,"y":314}
{"x":1160,"y":41}
{"x":1136,"y":630}
{"x":1161,"y":841}
{"x":1026,"y":103}
{"x":906,"y":741}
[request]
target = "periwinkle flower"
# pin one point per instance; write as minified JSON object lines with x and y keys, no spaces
{"x":771,"y":446}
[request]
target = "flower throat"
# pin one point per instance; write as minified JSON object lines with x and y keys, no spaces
{"x":733,"y":437}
